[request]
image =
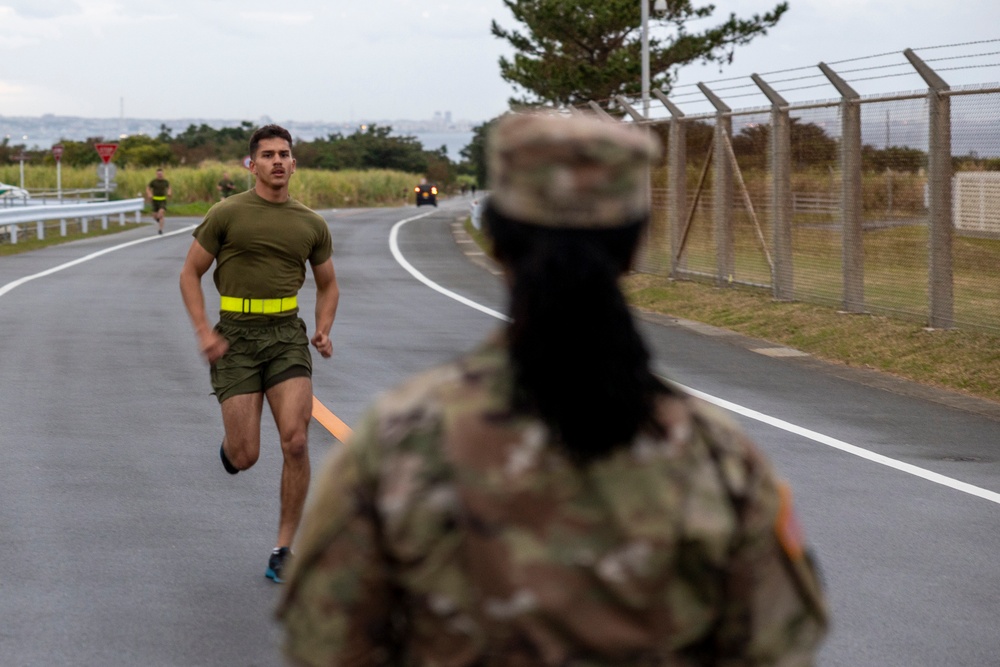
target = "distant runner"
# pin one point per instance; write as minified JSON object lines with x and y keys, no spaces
{"x":157,"y":191}
{"x":226,"y":186}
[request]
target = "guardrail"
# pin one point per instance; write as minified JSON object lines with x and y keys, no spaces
{"x":43,"y":198}
{"x":12,"y":218}
{"x":9,"y":201}
{"x":74,"y":195}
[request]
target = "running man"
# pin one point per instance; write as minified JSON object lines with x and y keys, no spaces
{"x":226,"y":186}
{"x":260,"y":241}
{"x":157,"y":191}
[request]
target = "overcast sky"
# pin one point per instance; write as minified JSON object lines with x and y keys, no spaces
{"x":340,"y":60}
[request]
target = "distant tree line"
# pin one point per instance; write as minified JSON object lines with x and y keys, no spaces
{"x":369,"y":147}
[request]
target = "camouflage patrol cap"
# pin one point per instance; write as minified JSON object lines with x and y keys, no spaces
{"x":569,"y":171}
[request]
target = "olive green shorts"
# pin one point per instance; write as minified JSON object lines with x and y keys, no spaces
{"x":159,"y":205}
{"x":260,"y":356}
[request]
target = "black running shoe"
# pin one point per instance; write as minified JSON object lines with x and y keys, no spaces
{"x":277,"y":564}
{"x":230,"y":468}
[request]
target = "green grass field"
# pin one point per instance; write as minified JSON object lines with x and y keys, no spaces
{"x":895,"y":266}
{"x":967,"y":361}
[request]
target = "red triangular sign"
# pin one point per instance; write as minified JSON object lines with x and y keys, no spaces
{"x":106,"y":151}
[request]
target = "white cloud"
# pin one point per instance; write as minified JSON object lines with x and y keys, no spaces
{"x":41,"y":9}
{"x":19,"y":32}
{"x":282,"y":18}
{"x":9,"y":89}
{"x":375,"y":59}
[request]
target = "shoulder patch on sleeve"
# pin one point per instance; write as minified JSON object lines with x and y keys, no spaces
{"x":786,"y":525}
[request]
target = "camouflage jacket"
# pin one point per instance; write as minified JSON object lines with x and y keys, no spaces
{"x":452,"y":532}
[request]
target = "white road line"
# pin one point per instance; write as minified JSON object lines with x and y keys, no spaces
{"x":56,"y":269}
{"x":923,"y":473}
{"x":868,"y":455}
{"x":394,"y":247}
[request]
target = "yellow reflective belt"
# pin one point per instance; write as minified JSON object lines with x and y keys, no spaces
{"x":235,"y":304}
{"x":160,"y":198}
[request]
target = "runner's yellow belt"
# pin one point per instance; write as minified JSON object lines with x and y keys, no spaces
{"x":160,"y":198}
{"x":235,"y":304}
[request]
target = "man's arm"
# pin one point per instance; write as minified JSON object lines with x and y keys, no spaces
{"x":198,"y":261}
{"x":327,"y":298}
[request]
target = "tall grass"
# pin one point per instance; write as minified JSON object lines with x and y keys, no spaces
{"x":315,"y":188}
{"x":44,"y":178}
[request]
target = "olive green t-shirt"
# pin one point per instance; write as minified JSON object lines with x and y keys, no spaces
{"x":159,"y":187}
{"x":261,"y":248}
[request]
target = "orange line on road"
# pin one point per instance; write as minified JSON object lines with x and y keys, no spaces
{"x":330,"y":421}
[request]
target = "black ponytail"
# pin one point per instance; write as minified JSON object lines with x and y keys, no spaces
{"x":579,"y":362}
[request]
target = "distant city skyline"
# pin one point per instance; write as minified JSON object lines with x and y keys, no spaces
{"x":43,"y":132}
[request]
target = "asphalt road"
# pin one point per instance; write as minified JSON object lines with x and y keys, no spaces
{"x":124,"y":542}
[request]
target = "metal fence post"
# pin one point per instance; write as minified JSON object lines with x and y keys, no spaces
{"x":676,"y":182}
{"x":722,"y":190}
{"x":640,"y":121}
{"x":939,"y":174}
{"x":853,"y":249}
{"x":782,"y":280}
{"x":601,"y":113}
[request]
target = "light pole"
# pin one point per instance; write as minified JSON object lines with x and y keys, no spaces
{"x":22,"y":157}
{"x":659,"y":7}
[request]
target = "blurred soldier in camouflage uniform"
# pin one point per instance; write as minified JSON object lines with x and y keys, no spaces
{"x":545,"y":499}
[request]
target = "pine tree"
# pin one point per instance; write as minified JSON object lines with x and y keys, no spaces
{"x":575,"y":51}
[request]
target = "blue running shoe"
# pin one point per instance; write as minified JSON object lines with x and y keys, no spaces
{"x":277,"y":564}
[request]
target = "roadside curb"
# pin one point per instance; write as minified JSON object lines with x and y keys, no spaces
{"x":471,"y":249}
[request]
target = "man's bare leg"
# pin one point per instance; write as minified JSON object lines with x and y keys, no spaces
{"x":291,"y":405}
{"x":241,"y":420}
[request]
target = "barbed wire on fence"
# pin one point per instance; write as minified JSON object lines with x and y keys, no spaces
{"x":691,"y":93}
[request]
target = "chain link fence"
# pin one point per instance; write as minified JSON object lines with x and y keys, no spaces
{"x":882,"y":203}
